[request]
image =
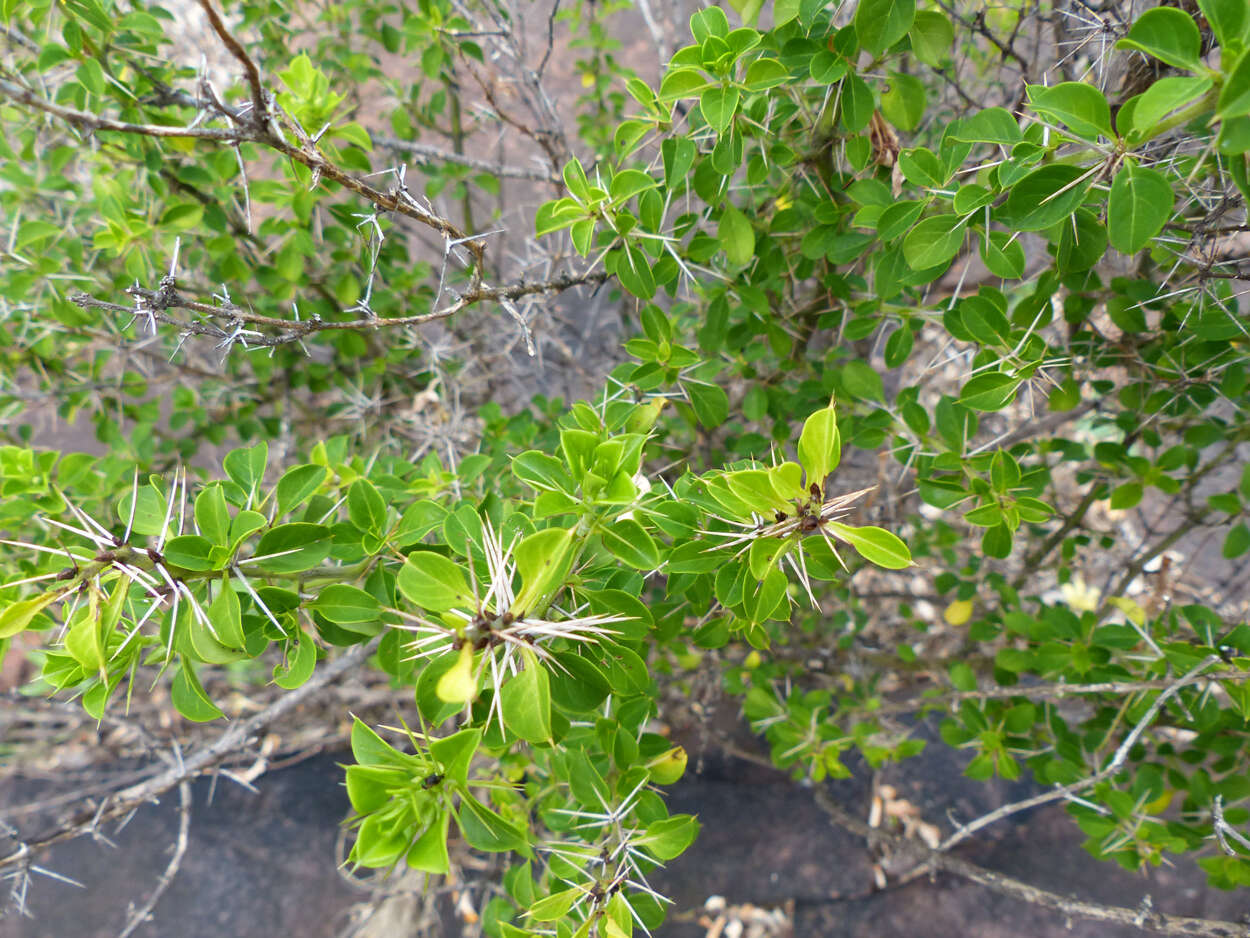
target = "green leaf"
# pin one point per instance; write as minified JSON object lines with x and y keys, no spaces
{"x":82,"y":641}
{"x":962,"y":676}
{"x":543,"y":472}
{"x":754,"y":488}
{"x":454,"y":753}
{"x":881,"y":23}
{"x":934,"y":241}
{"x":246,"y":468}
{"x":483,"y":829}
{"x":368,"y":748}
{"x":1003,"y":255}
{"x":1166,"y":95}
{"x":922,"y":168}
{"x":679,"y":154}
{"x":932,"y":37}
{"x":1045,"y":197}
{"x":226,"y":616}
{"x":769,"y":600}
{"x":992,"y":125}
{"x":898,"y":218}
{"x":212,"y":515}
{"x":857,"y":103}
{"x":297,"y":485}
{"x":148,"y":515}
{"x":1169,"y":34}
{"x":190,"y":552}
{"x":629,"y":542}
{"x":429,"y":853}
{"x":298,"y":667}
{"x":1126,"y":496}
{"x":820,"y":445}
{"x":1237,"y":541}
{"x":291,"y":548}
{"x":1235,"y":95}
{"x":555,"y":906}
{"x":457,"y":685}
{"x":347,"y":605}
{"x":784,"y":11}
{"x":189,"y":698}
{"x":526,"y":702}
{"x":628,"y":183}
{"x":766,"y":73}
{"x":709,"y":401}
{"x":366,"y":509}
{"x":993,"y":390}
{"x":1139,"y":206}
{"x":736,"y":236}
{"x":668,"y":838}
{"x":903,"y":103}
{"x":876,"y":545}
{"x":748,"y":10}
{"x":1083,"y":108}
{"x":719,"y":104}
{"x":576,"y":182}
{"x":863,"y":381}
{"x":1227,"y":19}
{"x":633,"y":269}
{"x":1082,"y":242}
{"x":683,"y":83}
{"x":433,"y":582}
{"x":552,"y":216}
{"x":543,"y":560}
{"x":827,"y":66}
{"x":33,"y":231}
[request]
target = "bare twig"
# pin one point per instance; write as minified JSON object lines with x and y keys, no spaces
{"x":141,"y":914}
{"x":425,"y":153}
{"x":24,"y":95}
{"x":289,"y":331}
{"x":229,"y":742}
{"x":926,"y":858}
{"x":1044,"y":692}
{"x":260,"y":107}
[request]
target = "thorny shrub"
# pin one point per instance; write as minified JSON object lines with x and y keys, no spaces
{"x":995,"y":249}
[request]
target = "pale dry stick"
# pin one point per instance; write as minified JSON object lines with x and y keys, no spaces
{"x":657,"y":34}
{"x":142,"y":914}
{"x":426,"y":154}
{"x":1060,"y":792}
{"x":229,"y":742}
{"x":927,"y":859}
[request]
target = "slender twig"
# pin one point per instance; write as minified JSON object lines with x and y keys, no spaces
{"x":425,"y":153}
{"x":1143,"y":917}
{"x":1042,"y":692}
{"x":1034,"y":559}
{"x":23,"y":95}
{"x":260,"y":108}
{"x":289,"y":331}
{"x":141,"y":914}
{"x":234,"y":738}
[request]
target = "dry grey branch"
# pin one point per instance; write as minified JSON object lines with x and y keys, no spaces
{"x":228,"y":743}
{"x":143,"y":913}
{"x":926,"y":858}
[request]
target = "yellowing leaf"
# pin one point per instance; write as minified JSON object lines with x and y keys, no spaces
{"x":958,"y":612}
{"x":458,"y":685}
